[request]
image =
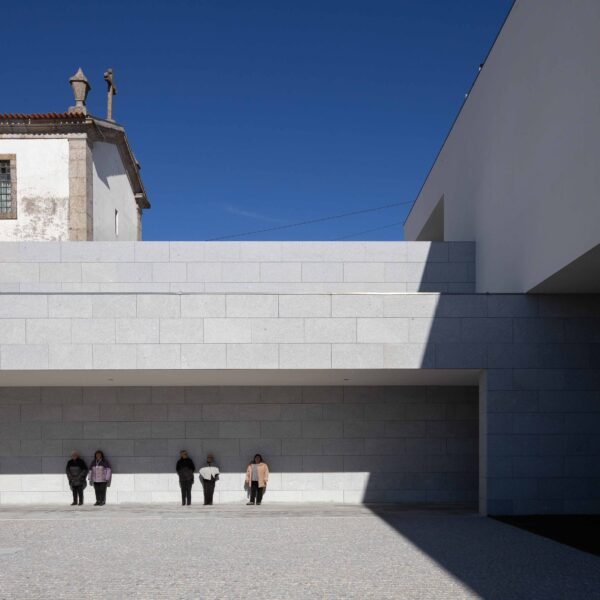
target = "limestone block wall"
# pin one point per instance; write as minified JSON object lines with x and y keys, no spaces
{"x":338,"y":444}
{"x":539,"y":359}
{"x":538,"y":356}
{"x":299,"y":331}
{"x":241,"y":331}
{"x":240,"y":267}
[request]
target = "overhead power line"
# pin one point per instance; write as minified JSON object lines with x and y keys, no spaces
{"x":309,"y":221}
{"x":351,"y":235}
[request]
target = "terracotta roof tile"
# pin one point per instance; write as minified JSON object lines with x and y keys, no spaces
{"x":42,"y":117}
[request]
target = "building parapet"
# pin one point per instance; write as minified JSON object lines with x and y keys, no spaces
{"x":236,"y":267}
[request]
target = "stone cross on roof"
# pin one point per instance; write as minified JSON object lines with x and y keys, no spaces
{"x":112,"y":91}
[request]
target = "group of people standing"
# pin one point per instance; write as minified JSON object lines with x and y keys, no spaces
{"x":208,"y":474}
{"x":99,"y":474}
{"x":257,"y":476}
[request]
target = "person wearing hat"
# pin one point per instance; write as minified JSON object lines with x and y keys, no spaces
{"x":185,"y":469}
{"x":209,"y":475}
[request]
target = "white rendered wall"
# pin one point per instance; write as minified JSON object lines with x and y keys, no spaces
{"x":42,"y":189}
{"x":112,"y":191}
{"x":519,"y":171}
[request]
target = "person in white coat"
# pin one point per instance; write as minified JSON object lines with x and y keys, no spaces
{"x":209,"y":475}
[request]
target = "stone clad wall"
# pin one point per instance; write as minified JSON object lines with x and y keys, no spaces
{"x":374,"y":444}
{"x":523,"y":334}
{"x":237,"y":267}
{"x":538,"y":356}
{"x":241,"y":331}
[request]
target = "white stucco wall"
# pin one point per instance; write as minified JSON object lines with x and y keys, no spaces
{"x":112,"y":190}
{"x":42,"y":189}
{"x":519,"y":171}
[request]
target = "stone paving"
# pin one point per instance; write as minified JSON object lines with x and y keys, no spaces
{"x":280,"y":552}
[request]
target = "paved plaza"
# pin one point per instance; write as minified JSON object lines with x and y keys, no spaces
{"x":277,"y":551}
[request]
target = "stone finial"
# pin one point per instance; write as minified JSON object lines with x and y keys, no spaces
{"x":80,"y":87}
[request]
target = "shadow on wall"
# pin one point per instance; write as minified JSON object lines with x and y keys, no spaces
{"x":447,"y":267}
{"x":538,"y":431}
{"x":107,"y":162}
{"x":540,"y":421}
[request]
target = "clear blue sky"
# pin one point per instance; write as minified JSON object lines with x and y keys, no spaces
{"x":252,"y":114}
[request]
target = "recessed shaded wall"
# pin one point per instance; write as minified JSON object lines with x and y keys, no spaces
{"x":341,"y":444}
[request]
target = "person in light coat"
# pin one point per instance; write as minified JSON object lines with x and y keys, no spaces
{"x":209,"y":475}
{"x":257,"y":476}
{"x":100,"y":475}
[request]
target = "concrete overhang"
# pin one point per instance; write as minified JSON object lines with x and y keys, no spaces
{"x":250,"y":377}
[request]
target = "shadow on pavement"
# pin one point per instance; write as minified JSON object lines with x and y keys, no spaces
{"x":495,"y":560}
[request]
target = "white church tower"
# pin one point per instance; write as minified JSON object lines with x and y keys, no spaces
{"x":70,"y":175}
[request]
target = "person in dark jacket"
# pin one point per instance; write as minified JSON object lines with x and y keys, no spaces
{"x":185,"y":469}
{"x":76,"y":473}
{"x":100,"y":476}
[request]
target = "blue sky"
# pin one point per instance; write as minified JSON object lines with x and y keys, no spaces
{"x":247,"y":115}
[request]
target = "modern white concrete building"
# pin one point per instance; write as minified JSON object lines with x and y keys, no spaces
{"x":362,"y":371}
{"x":518,"y":172}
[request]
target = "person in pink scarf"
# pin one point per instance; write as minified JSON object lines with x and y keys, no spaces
{"x":100,"y":475}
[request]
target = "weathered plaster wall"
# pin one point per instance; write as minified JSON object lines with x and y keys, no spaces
{"x":338,"y":444}
{"x":112,"y":191}
{"x":42,"y":189}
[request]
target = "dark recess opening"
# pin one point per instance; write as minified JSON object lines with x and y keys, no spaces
{"x":578,"y":531}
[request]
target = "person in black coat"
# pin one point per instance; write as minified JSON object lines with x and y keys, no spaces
{"x":185,"y":469}
{"x":76,"y":473}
